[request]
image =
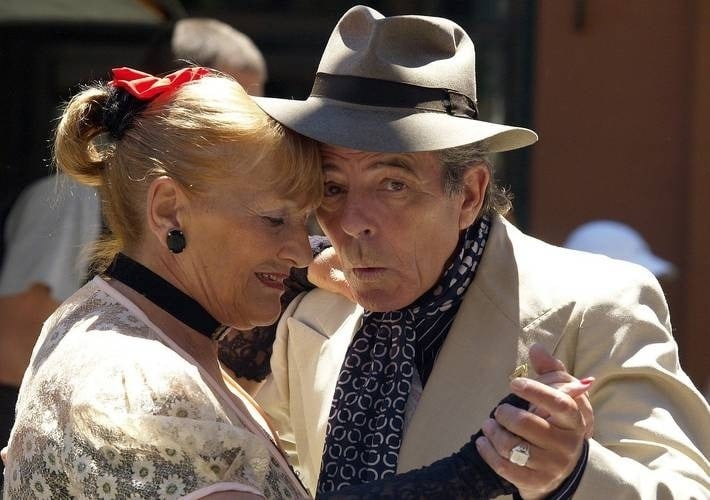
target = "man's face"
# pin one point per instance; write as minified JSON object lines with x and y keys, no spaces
{"x":390,"y":222}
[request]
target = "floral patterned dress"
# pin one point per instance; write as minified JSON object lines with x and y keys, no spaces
{"x":110,"y":408}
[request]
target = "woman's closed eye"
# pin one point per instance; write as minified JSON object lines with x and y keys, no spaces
{"x":273,"y":221}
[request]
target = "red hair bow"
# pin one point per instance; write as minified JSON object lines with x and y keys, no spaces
{"x":145,"y":87}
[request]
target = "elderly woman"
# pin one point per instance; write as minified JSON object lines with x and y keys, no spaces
{"x":206,"y":200}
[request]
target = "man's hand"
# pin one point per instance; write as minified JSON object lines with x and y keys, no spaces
{"x":552,"y":372}
{"x":326,"y":272}
{"x":3,"y":455}
{"x":559,"y":420}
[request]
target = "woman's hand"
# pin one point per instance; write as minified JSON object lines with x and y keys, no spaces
{"x":326,"y":272}
{"x":554,"y":429}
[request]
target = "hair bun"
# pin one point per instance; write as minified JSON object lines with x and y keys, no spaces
{"x":119,"y":111}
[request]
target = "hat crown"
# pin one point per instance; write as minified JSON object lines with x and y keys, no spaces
{"x":419,"y":50}
{"x":610,"y":238}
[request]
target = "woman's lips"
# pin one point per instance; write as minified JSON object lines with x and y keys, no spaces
{"x":272,"y":280}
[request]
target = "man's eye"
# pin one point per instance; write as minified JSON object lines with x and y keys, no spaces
{"x":392,"y":185}
{"x":273,"y":221}
{"x":332,"y":189}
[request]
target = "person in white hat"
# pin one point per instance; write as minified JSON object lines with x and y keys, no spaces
{"x":618,"y":241}
{"x":451,"y":296}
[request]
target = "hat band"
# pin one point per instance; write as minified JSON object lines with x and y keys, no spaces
{"x":385,"y":93}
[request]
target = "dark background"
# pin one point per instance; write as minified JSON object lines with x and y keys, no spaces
{"x":46,"y":58}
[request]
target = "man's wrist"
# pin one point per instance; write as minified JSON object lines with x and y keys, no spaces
{"x":571,"y":483}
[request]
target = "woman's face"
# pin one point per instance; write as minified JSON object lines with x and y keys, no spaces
{"x":242,"y":240}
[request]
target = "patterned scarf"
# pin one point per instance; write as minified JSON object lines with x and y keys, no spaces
{"x":366,"y":420}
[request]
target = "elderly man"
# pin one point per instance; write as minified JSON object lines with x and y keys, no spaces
{"x":450,"y":296}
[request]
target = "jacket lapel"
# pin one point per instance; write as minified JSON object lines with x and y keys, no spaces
{"x":316,"y":352}
{"x":469,"y":377}
{"x":488,"y":340}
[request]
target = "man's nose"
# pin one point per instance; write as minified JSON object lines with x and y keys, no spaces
{"x":357,"y":217}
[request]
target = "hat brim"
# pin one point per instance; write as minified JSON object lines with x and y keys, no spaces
{"x":658,"y":266}
{"x":389,"y":130}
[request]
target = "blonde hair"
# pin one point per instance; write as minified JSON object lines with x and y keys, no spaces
{"x":204,"y":132}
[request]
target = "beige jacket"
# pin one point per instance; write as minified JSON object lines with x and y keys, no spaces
{"x":602,"y":317}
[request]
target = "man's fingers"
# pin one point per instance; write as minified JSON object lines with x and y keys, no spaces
{"x":542,"y":362}
{"x":561,"y":408}
{"x":533,"y":429}
{"x":502,"y":440}
{"x":574,"y":388}
{"x":522,"y":477}
{"x":556,"y":378}
{"x":325,"y":272}
{"x":585,"y":406}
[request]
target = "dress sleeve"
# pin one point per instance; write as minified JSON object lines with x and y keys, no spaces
{"x":462,"y":475}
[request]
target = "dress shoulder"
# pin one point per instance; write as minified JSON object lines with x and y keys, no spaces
{"x":107,"y":410}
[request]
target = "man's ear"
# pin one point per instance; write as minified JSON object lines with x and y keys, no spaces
{"x":165,"y":206}
{"x":475,"y":184}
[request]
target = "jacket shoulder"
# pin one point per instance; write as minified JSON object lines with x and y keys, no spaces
{"x":543,"y":266}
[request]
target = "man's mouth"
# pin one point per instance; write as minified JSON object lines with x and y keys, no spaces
{"x":368,"y":273}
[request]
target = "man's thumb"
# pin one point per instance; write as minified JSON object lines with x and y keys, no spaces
{"x":542,"y":362}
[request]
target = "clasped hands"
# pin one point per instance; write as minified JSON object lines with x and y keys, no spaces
{"x":552,"y":431}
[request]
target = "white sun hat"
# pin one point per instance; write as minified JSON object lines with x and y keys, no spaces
{"x":618,"y":241}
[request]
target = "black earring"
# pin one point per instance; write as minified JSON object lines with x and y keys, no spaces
{"x":176,"y":241}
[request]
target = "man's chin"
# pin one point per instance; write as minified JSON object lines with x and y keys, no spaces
{"x":379,"y":301}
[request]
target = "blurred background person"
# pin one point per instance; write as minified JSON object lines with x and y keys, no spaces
{"x":619,"y":241}
{"x":46,"y":237}
{"x":214,"y":44}
{"x":211,"y":43}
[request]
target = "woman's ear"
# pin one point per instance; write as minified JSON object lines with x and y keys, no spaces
{"x":475,"y":185}
{"x":165,"y":205}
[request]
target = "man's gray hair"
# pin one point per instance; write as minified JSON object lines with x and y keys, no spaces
{"x":456,"y":161}
{"x":212,"y":43}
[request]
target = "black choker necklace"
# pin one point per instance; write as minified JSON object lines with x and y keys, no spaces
{"x":166,"y":296}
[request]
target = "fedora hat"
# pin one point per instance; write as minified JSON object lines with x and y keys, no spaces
{"x":395,"y":84}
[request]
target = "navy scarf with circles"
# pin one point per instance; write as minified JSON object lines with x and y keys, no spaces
{"x":366,"y":420}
